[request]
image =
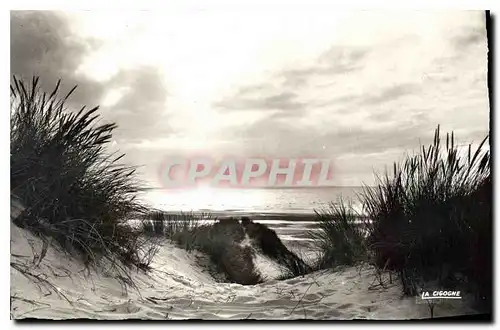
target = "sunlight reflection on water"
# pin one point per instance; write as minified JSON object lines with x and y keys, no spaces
{"x":251,"y":200}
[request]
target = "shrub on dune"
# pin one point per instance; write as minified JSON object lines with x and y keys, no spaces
{"x":430,"y":221}
{"x":432,"y":218}
{"x":73,"y":190}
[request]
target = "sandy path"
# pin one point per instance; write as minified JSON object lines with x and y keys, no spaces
{"x":178,"y":288}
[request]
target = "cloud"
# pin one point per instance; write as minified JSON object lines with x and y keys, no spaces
{"x":248,"y":99}
{"x":389,"y":94}
{"x":275,"y":138}
{"x":472,"y":33}
{"x":363,"y":101}
{"x":337,"y":60}
{"x":388,"y":114}
{"x":141,"y":111}
{"x":43,"y":44}
{"x":279,"y":94}
{"x":376,"y":101}
{"x":469,"y":37}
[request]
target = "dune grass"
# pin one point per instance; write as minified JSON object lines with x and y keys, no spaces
{"x":184,"y":229}
{"x":73,"y":190}
{"x":432,"y":217}
{"x":340,"y":239}
{"x":219,"y":240}
{"x":431,"y":221}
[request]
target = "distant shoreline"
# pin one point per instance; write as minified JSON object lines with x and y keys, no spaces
{"x":260,"y":187}
{"x":257,"y":216}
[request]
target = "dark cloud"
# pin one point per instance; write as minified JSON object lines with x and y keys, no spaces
{"x":43,"y":45}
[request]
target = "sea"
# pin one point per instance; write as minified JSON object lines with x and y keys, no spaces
{"x":289,"y":212}
{"x":255,"y":200}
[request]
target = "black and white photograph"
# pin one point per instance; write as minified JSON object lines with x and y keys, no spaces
{"x":256,"y":162}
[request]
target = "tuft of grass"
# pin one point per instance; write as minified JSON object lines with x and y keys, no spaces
{"x":340,"y":239}
{"x":185,"y":228}
{"x":429,"y":221}
{"x":432,"y":218}
{"x":72,"y":189}
{"x":232,"y":259}
{"x":216,"y":239}
{"x":153,"y":223}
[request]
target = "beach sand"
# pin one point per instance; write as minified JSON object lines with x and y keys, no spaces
{"x":179,"y":287}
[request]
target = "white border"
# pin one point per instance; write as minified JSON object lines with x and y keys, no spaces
{"x":262,"y":4}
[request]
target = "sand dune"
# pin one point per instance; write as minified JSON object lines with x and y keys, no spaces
{"x":179,"y":287}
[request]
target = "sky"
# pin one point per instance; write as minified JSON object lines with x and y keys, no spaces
{"x":361,"y":88}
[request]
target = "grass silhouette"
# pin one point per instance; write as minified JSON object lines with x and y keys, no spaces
{"x":430,"y":220}
{"x":73,"y":190}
